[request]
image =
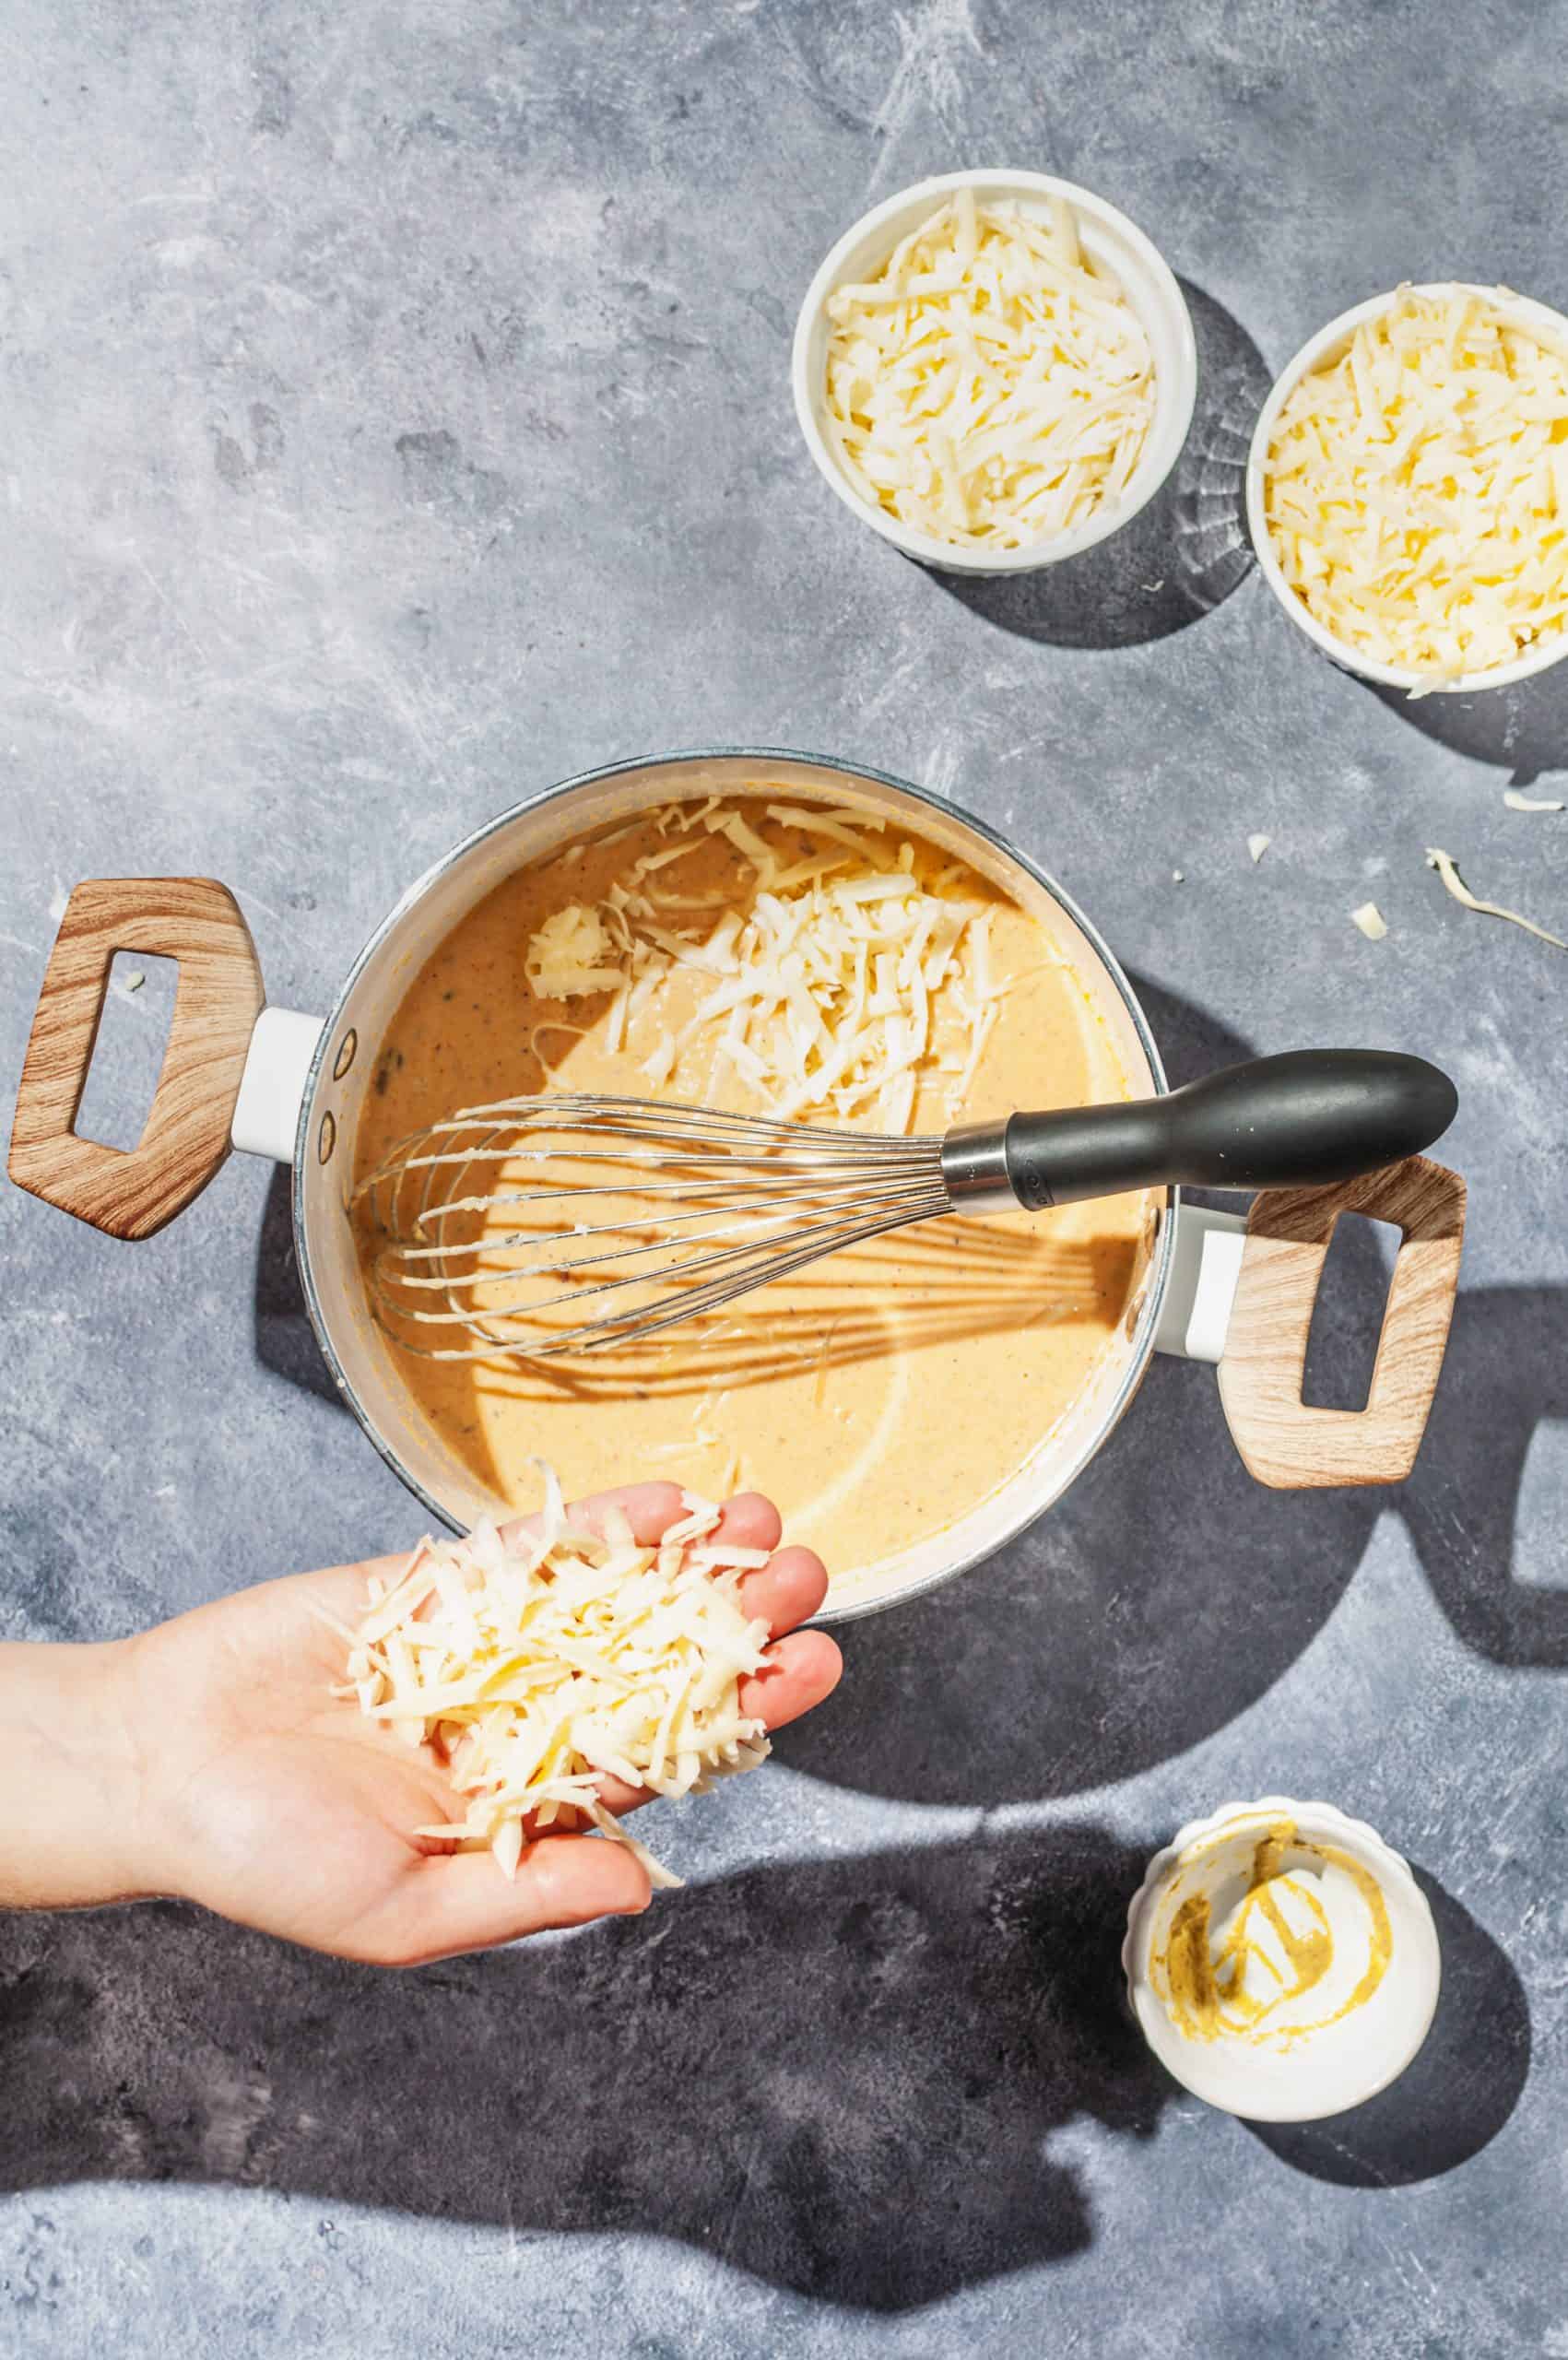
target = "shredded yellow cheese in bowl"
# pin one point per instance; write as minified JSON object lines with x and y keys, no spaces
{"x":534,"y":1664}
{"x":995,"y":369}
{"x":1408,"y":487}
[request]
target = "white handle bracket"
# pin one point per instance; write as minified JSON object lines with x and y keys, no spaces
{"x":272,"y":1088}
{"x":1195,"y":1315}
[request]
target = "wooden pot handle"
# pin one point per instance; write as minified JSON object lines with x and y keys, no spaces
{"x":1283,"y":1443}
{"x":132,"y":1192}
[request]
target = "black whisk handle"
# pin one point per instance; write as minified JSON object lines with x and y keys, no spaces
{"x":1307,"y":1119}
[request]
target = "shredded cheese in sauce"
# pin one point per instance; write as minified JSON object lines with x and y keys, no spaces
{"x":537,"y":1664}
{"x":991,"y":384}
{"x":572,"y":955}
{"x":824,"y":993}
{"x":1417,"y":487}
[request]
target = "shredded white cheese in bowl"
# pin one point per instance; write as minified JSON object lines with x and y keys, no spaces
{"x":1407,"y":489}
{"x":995,"y":371}
{"x":535,"y":1665}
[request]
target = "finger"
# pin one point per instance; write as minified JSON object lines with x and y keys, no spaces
{"x":788,"y":1589}
{"x":796,"y":1674}
{"x":462,"y":1902}
{"x":748,"y":1521}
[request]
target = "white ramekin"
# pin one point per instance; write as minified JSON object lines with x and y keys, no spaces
{"x":1343,"y":2064}
{"x":1327,"y":345}
{"x":1112,"y":240}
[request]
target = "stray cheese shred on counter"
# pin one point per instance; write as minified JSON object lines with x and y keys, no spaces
{"x":1447,"y":869}
{"x":843,"y":979}
{"x":991,"y":384}
{"x":1417,"y":488}
{"x":533,"y":1664}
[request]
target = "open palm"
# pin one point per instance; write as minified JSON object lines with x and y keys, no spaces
{"x":267,"y":1799}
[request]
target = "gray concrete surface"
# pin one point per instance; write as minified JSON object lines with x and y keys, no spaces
{"x":396,"y":419}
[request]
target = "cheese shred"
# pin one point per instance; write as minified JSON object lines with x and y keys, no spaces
{"x":1444,"y":865}
{"x":991,"y":384}
{"x":536,"y":1664}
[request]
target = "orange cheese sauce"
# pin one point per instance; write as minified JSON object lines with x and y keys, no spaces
{"x":879,"y":1396}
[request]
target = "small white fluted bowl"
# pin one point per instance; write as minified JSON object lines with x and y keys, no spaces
{"x":1325,"y":347}
{"x":1321,"y":2072}
{"x":1112,"y":241}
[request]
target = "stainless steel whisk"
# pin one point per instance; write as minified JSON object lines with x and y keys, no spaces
{"x":659,"y":1213}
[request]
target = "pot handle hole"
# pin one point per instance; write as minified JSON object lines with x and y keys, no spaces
{"x":133,"y":1192}
{"x":1284,"y":1442}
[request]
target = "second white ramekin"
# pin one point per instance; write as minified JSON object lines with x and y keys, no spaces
{"x":1326,"y":347}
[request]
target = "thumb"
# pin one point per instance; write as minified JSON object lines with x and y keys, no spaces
{"x":460,"y":1901}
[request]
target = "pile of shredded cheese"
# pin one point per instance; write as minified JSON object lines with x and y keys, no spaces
{"x":1417,"y":488}
{"x":572,"y":954}
{"x":840,"y":982}
{"x":990,"y":385}
{"x":533,"y":1666}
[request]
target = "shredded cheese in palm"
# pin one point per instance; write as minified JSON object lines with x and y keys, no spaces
{"x":991,"y":384}
{"x":841,"y":981}
{"x":537,"y":1665}
{"x":1417,"y":487}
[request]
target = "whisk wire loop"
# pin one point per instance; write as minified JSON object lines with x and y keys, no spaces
{"x":499,"y":1223}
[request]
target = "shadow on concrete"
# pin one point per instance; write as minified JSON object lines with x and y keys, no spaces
{"x":285,"y":1340}
{"x":1523,"y":730}
{"x":1185,"y":554}
{"x":1456,"y":2095}
{"x":1157,"y":1600}
{"x":1503,"y":1379}
{"x":843,"y":2076}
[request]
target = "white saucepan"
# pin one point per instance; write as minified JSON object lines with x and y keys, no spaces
{"x":1236,"y":1292}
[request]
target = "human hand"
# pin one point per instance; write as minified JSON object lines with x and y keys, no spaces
{"x":260,"y":1795}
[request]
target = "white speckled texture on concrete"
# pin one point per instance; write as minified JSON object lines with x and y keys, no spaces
{"x":396,"y":419}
